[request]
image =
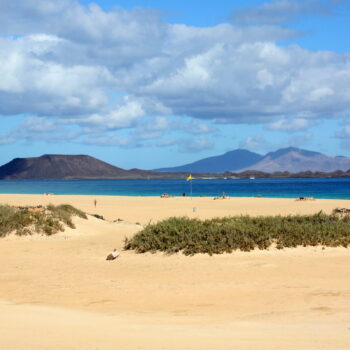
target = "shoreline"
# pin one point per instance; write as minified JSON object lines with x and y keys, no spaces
{"x":184,"y":175}
{"x":171,"y":196}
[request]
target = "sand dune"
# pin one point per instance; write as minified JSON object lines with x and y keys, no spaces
{"x":59,"y":292}
{"x":33,"y":327}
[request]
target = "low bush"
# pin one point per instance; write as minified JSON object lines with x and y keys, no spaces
{"x":64,"y":213}
{"x":28,"y":220}
{"x":244,"y":233}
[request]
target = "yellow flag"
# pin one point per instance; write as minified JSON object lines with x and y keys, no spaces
{"x":189,"y":178}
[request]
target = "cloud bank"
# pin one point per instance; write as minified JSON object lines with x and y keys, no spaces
{"x":67,"y":65}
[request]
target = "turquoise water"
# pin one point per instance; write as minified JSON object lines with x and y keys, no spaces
{"x":338,"y":188}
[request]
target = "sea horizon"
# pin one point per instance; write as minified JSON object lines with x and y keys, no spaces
{"x":323,"y":188}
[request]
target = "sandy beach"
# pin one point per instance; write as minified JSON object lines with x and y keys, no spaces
{"x":59,"y":292}
{"x":152,"y":209}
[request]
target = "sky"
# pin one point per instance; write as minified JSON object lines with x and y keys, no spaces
{"x":157,"y":83}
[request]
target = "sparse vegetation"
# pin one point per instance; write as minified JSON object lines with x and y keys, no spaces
{"x":224,"y":235}
{"x":28,"y":220}
{"x":97,"y":216}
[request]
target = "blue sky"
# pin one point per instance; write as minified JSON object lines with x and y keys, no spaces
{"x":152,"y":84}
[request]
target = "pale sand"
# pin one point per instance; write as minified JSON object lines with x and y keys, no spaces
{"x":146,"y":209}
{"x":60,"y":293}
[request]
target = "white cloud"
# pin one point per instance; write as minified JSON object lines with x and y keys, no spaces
{"x":158,"y":127}
{"x":344,"y":136}
{"x":278,"y":11}
{"x":251,"y":82}
{"x":73,"y":63}
{"x":123,"y":116}
{"x":298,"y":141}
{"x":7,"y":139}
{"x":36,"y":124}
{"x":108,"y":140}
{"x":259,"y":143}
{"x":168,"y":142}
{"x":255,"y":143}
{"x":187,"y":145}
{"x":344,"y":133}
{"x":35,"y":129}
{"x":194,"y":145}
{"x":291,"y":125}
{"x":33,"y":85}
{"x":320,"y":93}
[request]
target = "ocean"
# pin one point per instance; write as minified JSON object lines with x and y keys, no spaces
{"x":336,"y":188}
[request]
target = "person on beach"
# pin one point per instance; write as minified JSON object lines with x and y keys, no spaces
{"x":95,"y":203}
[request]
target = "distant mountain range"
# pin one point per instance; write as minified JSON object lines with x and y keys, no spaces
{"x":230,"y":161}
{"x":287,"y":162}
{"x":289,"y":159}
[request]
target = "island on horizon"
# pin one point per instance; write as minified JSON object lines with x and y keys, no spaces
{"x":234,"y":164}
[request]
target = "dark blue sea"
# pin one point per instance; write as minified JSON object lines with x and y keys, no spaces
{"x":337,"y":188}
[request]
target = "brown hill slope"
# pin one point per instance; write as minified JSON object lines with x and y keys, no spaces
{"x":62,"y":167}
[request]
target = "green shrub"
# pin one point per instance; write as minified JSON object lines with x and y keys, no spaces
{"x":64,"y":213}
{"x":25,"y":220}
{"x":244,"y":233}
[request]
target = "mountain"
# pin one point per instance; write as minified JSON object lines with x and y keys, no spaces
{"x":289,"y":159}
{"x":230,"y":161}
{"x":295,"y":160}
{"x":65,"y":167}
{"x":281,"y":163}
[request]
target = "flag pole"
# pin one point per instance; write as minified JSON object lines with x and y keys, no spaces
{"x":189,"y":178}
